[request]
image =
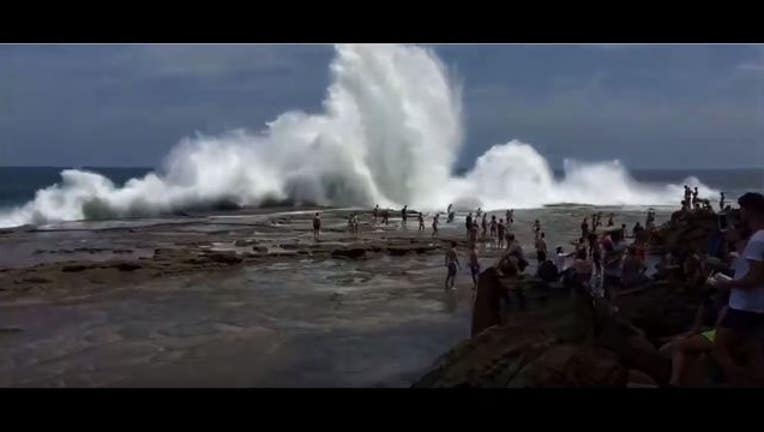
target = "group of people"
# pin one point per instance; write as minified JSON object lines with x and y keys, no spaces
{"x":729,"y":324}
{"x":692,"y":202}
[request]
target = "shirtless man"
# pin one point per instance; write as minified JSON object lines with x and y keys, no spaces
{"x":452,"y":262}
{"x":541,"y":250}
{"x":484,"y":224}
{"x":473,"y":234}
{"x":610,"y":220}
{"x":404,"y":215}
{"x":474,"y":267}
{"x":435,"y":225}
{"x":721,"y":202}
{"x":468,"y":223}
{"x":478,"y":213}
{"x":420,"y":217}
{"x":316,"y":226}
{"x":501,"y":229}
{"x":536,"y":229}
{"x":493,"y":227}
{"x":376,"y":213}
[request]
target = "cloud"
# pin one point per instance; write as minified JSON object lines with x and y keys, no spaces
{"x":754,"y":67}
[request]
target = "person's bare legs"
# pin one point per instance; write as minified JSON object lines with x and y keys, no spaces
{"x":721,"y":353}
{"x":690,"y":345}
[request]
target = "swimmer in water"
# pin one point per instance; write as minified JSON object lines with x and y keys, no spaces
{"x":316,"y":226}
{"x":452,"y":262}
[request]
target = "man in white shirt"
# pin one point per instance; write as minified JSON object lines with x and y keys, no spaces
{"x":745,"y":318}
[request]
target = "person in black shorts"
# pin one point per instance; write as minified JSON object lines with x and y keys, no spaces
{"x":404,"y":215}
{"x":452,"y":262}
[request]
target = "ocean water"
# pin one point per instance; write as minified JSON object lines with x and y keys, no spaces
{"x":18,"y":185}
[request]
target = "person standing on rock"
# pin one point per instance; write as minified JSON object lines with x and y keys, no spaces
{"x":316,"y":226}
{"x":386,"y":216}
{"x":474,"y":267}
{"x":376,"y":213}
{"x":468,"y":223}
{"x":541,"y":250}
{"x":585,"y":228}
{"x":435,"y":225}
{"x":536,"y":229}
{"x":404,"y":215}
{"x":493,"y":227}
{"x":695,"y":202}
{"x":501,"y":229}
{"x":478,"y":213}
{"x":610,"y":220}
{"x":745,"y":314}
{"x":452,"y":262}
{"x":484,"y":224}
{"x":687,"y":195}
{"x":721,"y":202}
{"x":421,"y":221}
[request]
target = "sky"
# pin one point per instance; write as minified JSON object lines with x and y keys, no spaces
{"x":650,"y":106}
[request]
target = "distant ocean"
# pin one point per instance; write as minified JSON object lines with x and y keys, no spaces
{"x":19,"y":184}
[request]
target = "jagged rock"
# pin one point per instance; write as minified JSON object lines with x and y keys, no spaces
{"x":354,"y":253}
{"x":639,"y":379}
{"x":73,"y":268}
{"x":632,"y":348}
{"x":572,"y":366}
{"x":36,"y":279}
{"x":127,"y":266}
{"x":260,"y":249}
{"x":224,"y":258}
{"x":244,"y":243}
{"x":489,"y":360}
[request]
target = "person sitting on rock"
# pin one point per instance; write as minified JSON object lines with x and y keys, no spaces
{"x":745,"y":316}
{"x":516,"y":250}
{"x":420,"y":218}
{"x":547,"y":271}
{"x":452,"y":262}
{"x":697,"y":341}
{"x":633,"y":270}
